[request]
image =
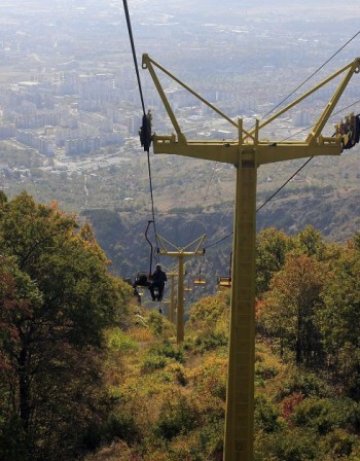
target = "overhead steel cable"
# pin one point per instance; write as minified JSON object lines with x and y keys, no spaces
{"x":283,"y":185}
{"x":265,"y":201}
{"x":312,"y":75}
{"x":218,"y":241}
{"x":132,"y":43}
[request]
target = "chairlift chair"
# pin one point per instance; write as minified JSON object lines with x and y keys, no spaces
{"x":224,"y":283}
{"x":200,"y":281}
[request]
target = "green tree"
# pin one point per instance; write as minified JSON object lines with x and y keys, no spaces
{"x":310,"y":242}
{"x":290,"y":305}
{"x":271,"y":248}
{"x":339,"y":320}
{"x":56,"y":299}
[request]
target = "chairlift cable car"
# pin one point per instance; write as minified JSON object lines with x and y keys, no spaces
{"x":199,"y":280}
{"x":225,"y":282}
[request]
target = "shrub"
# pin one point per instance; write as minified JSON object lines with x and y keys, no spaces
{"x":120,"y":342}
{"x":210,"y":341}
{"x":292,"y":445}
{"x":264,"y":371}
{"x":319,"y":414}
{"x":208,"y":310}
{"x":159,"y":356}
{"x":14,"y":443}
{"x":354,"y":416}
{"x":339,"y":443}
{"x":176,"y":418}
{"x":166,"y":349}
{"x":153,"y":362}
{"x":120,"y":426}
{"x":301,"y":382}
{"x":178,"y":372}
{"x":266,"y":414}
{"x":156,"y":323}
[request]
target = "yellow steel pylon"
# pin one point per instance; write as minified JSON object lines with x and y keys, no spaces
{"x":180,"y":253}
{"x":172,"y":301}
{"x":247,"y":153}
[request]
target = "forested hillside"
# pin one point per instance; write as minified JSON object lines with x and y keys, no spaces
{"x":336,"y":213}
{"x":170,"y":400}
{"x":87,"y":374}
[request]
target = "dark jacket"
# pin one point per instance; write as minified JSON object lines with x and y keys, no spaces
{"x":158,"y":277}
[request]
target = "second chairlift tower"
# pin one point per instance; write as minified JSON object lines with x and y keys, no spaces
{"x":247,"y":153}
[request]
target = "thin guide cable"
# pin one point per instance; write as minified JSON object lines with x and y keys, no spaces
{"x":266,"y":201}
{"x":132,"y":43}
{"x":313,"y":74}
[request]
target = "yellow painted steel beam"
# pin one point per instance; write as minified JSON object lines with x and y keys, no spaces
{"x":180,"y":327}
{"x":172,"y":298}
{"x":239,"y":416}
{"x":231,"y":152}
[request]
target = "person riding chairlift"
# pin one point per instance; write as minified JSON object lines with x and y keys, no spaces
{"x":158,"y":279}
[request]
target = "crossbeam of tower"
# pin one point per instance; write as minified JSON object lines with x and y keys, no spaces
{"x":246,"y":153}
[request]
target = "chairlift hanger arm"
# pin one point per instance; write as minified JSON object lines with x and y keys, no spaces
{"x":150,"y":244}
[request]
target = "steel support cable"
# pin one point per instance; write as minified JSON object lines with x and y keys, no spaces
{"x":312,"y":75}
{"x":132,"y":43}
{"x":283,"y":185}
{"x":266,"y":201}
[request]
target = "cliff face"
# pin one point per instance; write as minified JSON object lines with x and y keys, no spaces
{"x":336,"y":213}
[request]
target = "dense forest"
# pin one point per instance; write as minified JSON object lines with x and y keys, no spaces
{"x":86,"y":373}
